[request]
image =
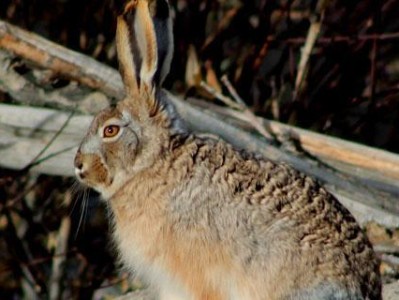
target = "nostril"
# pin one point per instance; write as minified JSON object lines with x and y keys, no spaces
{"x":78,"y":162}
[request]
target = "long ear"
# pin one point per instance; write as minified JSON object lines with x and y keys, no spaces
{"x":144,"y":41}
{"x":137,"y":47}
{"x":164,"y":33}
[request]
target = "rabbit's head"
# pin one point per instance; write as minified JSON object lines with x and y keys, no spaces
{"x":129,"y":137}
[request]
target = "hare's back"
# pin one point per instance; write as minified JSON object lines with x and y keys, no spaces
{"x":280,"y":225}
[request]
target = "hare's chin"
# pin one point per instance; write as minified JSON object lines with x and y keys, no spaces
{"x":79,"y":174}
{"x":105,"y":190}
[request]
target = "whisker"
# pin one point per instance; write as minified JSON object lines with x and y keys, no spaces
{"x":77,"y":191}
{"x":75,"y":188}
{"x":86,"y":210}
{"x":83,"y":209}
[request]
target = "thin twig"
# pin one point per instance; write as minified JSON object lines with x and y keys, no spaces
{"x":373,"y":59}
{"x":35,"y":161}
{"x":220,"y":96}
{"x":383,"y":248}
{"x":311,"y":38}
{"x":61,"y":247}
{"x":51,"y":155}
{"x":232,"y":91}
{"x":239,"y":104}
{"x":17,"y":198}
{"x":373,"y":75}
{"x":248,"y":113}
{"x":17,"y":243}
{"x":390,"y":259}
{"x":37,"y":261}
{"x":223,"y":24}
{"x":336,"y":39}
{"x":114,"y":282}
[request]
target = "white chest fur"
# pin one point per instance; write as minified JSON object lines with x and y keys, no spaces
{"x":142,"y":251}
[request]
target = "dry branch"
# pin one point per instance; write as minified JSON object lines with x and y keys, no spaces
{"x":359,"y":160}
{"x":57,"y":269}
{"x":311,"y":39}
{"x":61,"y":61}
{"x":25,"y":131}
{"x":391,"y":291}
{"x":30,"y":92}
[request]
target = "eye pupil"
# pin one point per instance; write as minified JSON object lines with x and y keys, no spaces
{"x":111,"y":131}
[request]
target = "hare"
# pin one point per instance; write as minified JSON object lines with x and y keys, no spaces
{"x":197,"y":218}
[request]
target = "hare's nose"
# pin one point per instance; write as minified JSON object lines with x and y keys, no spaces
{"x":78,"y":161}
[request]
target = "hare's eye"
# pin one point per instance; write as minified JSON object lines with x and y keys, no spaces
{"x":111,"y":131}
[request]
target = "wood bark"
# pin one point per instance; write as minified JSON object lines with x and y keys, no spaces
{"x":61,"y":61}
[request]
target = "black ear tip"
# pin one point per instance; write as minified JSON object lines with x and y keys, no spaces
{"x":124,"y":6}
{"x":119,"y":6}
{"x":159,"y":8}
{"x":162,"y":9}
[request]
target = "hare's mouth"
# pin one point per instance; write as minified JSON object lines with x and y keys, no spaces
{"x":80,"y":174}
{"x":99,"y":183}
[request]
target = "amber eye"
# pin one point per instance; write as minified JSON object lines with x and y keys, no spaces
{"x":111,"y":131}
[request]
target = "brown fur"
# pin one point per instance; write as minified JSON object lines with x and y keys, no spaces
{"x":198,"y":219}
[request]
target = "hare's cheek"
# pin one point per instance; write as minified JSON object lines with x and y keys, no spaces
{"x":130,"y":150}
{"x":100,"y":174}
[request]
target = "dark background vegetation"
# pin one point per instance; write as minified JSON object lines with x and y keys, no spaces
{"x":351,"y":90}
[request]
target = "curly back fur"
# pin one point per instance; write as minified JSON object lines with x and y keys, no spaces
{"x":198,"y":219}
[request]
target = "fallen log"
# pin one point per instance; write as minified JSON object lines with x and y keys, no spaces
{"x":61,"y":61}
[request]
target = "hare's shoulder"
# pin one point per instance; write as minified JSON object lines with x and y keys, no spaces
{"x":248,"y":175}
{"x":256,"y":183}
